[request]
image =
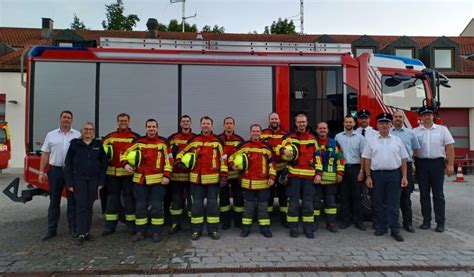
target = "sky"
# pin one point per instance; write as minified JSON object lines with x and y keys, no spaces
{"x":371,"y":17}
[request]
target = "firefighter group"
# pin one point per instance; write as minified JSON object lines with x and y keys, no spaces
{"x":152,"y":178}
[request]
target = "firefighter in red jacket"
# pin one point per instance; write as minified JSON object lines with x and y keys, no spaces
{"x":208,"y":171}
{"x":119,"y":182}
{"x":150,"y":159}
{"x":300,"y":149}
{"x":332,"y":160}
{"x":273,"y":135}
{"x":231,"y":140}
{"x":255,"y":159}
{"x":179,"y":186}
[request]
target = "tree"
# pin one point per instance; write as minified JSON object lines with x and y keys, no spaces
{"x":77,"y":24}
{"x":174,"y":26}
{"x":281,"y":27}
{"x":116,"y":20}
{"x":215,"y":29}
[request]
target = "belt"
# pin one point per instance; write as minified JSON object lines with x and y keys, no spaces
{"x":386,"y":170}
{"x":430,"y":159}
{"x":351,"y":165}
{"x":58,"y":167}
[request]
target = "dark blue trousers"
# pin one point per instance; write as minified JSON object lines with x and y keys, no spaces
{"x":430,"y":177}
{"x":85,"y":191}
{"x":198,"y":193}
{"x":405,"y":197}
{"x":149,"y":195}
{"x":56,"y":185}
{"x":386,"y":196}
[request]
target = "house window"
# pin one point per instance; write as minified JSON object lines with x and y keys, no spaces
{"x":359,"y":51}
{"x":443,"y":58}
{"x":405,"y":52}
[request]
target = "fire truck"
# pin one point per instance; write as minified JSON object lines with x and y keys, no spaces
{"x":5,"y":146}
{"x":164,"y":79}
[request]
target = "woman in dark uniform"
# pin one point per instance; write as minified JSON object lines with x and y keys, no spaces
{"x":84,"y":170}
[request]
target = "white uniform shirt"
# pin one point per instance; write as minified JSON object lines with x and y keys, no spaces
{"x":385,"y":153}
{"x":57,"y":143}
{"x":433,"y":141}
{"x":352,"y":145}
{"x":369,"y":132}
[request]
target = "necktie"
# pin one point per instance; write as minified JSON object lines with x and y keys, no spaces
{"x":363,"y":132}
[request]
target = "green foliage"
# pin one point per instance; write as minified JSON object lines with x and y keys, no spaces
{"x":281,"y":27}
{"x":77,"y":24}
{"x":116,"y":20}
{"x":215,"y":29}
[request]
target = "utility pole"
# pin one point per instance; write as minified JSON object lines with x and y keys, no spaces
{"x":301,"y":17}
{"x":183,"y":16}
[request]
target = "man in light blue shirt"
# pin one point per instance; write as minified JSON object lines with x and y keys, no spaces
{"x":411,"y":144}
{"x":352,"y":145}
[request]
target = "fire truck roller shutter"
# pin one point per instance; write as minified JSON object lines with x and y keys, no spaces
{"x":60,"y":86}
{"x":243,"y":92}
{"x":143,"y":91}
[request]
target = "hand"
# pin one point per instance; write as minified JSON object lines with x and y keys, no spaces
{"x":165,"y":181}
{"x":339,"y":178}
{"x":71,"y":189}
{"x":42,"y":177}
{"x":286,"y":152}
{"x":233,"y":168}
{"x":368,"y":182}
{"x":128,"y":168}
{"x":450,"y":170}
{"x":98,"y":190}
{"x":360,"y":176}
{"x":271,"y":182}
{"x":317,"y":179}
{"x":223,"y":181}
{"x":404,"y":182}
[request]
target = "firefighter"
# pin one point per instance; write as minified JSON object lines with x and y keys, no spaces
{"x":351,"y":187}
{"x":151,"y":161}
{"x":231,"y":140}
{"x":300,"y":149}
{"x":204,"y":156}
{"x":84,"y":172}
{"x":179,"y":187}
{"x":54,"y":152}
{"x":255,"y":159}
{"x":119,"y":182}
{"x":433,"y":159}
{"x":386,"y":172}
{"x":411,"y":144}
{"x":332,"y":160}
{"x":273,"y":135}
{"x":363,"y":120}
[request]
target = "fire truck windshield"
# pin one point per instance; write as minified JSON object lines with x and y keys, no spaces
{"x":403,"y":94}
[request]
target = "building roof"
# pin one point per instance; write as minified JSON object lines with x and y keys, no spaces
{"x":18,"y":38}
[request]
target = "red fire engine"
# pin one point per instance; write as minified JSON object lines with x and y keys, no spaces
{"x":165,"y":79}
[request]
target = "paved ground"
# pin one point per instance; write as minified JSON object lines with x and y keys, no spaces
{"x":347,"y":253}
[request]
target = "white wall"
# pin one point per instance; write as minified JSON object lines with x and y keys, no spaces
{"x":15,"y":115}
{"x":460,"y":95}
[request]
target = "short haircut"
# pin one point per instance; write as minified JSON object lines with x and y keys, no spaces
{"x":229,"y":117}
{"x":301,"y":114}
{"x":185,"y":116}
{"x":123,"y":115}
{"x":270,"y":114}
{"x":66,"y":111}
{"x":151,"y":120}
{"x":322,"y":122}
{"x":255,"y":125}
{"x":208,"y":118}
{"x":349,"y":116}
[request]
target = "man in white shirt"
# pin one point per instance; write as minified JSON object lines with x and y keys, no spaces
{"x":54,"y":150}
{"x":363,"y":121}
{"x":386,"y":172}
{"x":437,"y":145}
